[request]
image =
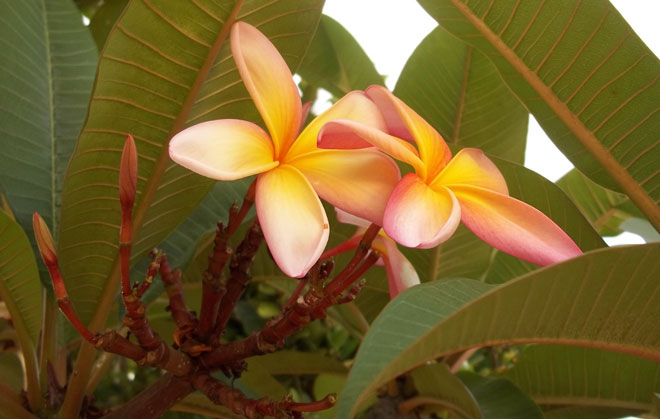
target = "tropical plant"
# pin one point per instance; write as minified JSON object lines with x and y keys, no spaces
{"x":155,"y":296}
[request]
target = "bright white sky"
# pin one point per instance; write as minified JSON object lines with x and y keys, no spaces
{"x":389,"y":31}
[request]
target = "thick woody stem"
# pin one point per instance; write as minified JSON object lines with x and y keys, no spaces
{"x":213,"y":284}
{"x":137,"y":322}
{"x":155,"y":400}
{"x":222,"y":394}
{"x":239,"y":275}
{"x":183,"y":319}
{"x":313,"y":306}
{"x":152,"y":271}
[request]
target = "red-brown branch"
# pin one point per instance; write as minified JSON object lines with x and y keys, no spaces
{"x":183,"y":319}
{"x":222,"y":394}
{"x":313,"y":306}
{"x":239,"y":276}
{"x":213,"y":284}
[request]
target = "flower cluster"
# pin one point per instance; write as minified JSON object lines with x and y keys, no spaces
{"x":342,"y":157}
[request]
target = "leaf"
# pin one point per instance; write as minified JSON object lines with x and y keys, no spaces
{"x":166,"y":65}
{"x":437,"y":382}
{"x":499,"y":397}
{"x":604,"y":208}
{"x":20,"y":288}
{"x":46,"y":75}
{"x":287,"y":362}
{"x":556,"y":376}
{"x":12,"y":373}
{"x":336,"y":62}
{"x":459,"y":91}
{"x":584,"y":74}
{"x":104,"y":19}
{"x":608,"y":298}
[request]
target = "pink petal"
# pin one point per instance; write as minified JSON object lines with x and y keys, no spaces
{"x":269,"y":82}
{"x":357,"y":181}
{"x":355,"y":106}
{"x":433,"y":149}
{"x":226,"y":149}
{"x":401,"y":274}
{"x":346,"y":218}
{"x":395,"y":147}
{"x":470,"y":166}
{"x":419,"y":216}
{"x":292,"y":218}
{"x":514,"y":226}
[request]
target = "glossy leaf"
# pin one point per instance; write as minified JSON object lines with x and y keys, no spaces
{"x":165,"y":66}
{"x":48,"y":62}
{"x":459,"y":91}
{"x":287,"y":362}
{"x":557,"y":376}
{"x":20,"y":288}
{"x":604,"y":208}
{"x":436,"y":382}
{"x":336,"y":62}
{"x":499,"y":397}
{"x":584,"y":74}
{"x":609,"y":298}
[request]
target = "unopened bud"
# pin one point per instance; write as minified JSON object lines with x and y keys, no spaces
{"x":44,"y":240}
{"x":128,"y":169}
{"x":46,"y":247}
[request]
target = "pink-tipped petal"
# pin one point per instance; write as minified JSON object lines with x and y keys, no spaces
{"x":401,"y":274}
{"x":269,"y":82}
{"x":226,"y":149}
{"x":419,"y":216}
{"x":514,"y":227}
{"x":346,"y":218}
{"x":395,"y":147}
{"x":292,"y":218}
{"x":470,"y":166}
{"x":395,"y":125}
{"x":355,"y":106}
{"x":357,"y":181}
{"x":433,"y":149}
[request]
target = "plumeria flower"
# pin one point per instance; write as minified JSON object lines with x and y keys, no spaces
{"x":427,"y":205}
{"x":401,"y":274}
{"x":292,"y":171}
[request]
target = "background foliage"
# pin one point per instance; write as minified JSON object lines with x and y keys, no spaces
{"x":579,"y":338}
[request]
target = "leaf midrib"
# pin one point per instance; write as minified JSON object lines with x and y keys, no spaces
{"x":572,"y":122}
{"x":149,"y":191}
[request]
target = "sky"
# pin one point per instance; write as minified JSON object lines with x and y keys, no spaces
{"x":389,"y":31}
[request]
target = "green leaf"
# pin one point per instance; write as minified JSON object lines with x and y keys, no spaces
{"x":20,"y":287}
{"x":584,"y":74}
{"x":336,"y":62}
{"x":288,"y":362}
{"x":608,"y":298}
{"x":604,"y":208}
{"x":458,"y":91}
{"x":499,"y":397}
{"x":22,"y":294}
{"x":104,"y":19}
{"x":46,"y":75}
{"x":165,"y":66}
{"x":437,"y":382}
{"x":557,"y":376}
